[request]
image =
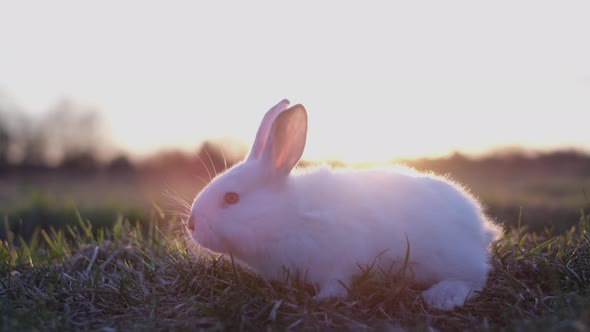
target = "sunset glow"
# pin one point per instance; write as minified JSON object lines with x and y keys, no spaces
{"x":379,"y":81}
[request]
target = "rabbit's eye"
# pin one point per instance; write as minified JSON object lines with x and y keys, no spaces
{"x":231,"y":198}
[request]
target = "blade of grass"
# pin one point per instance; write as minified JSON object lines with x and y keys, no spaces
{"x":538,"y":248}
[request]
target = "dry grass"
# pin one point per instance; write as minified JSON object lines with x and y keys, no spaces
{"x":126,"y":278}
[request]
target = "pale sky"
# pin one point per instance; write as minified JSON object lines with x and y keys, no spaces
{"x":379,"y":79}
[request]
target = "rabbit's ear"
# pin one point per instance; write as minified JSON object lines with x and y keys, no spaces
{"x":286,"y":140}
{"x":264,"y":129}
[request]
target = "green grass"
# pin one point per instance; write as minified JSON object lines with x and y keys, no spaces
{"x":137,"y":278}
{"x":45,"y":212}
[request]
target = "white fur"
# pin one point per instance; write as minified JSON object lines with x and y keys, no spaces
{"x":325,"y":222}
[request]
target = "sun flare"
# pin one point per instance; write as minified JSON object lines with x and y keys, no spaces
{"x":195,"y":76}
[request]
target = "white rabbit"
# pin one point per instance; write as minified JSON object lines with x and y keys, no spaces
{"x":324,"y":223}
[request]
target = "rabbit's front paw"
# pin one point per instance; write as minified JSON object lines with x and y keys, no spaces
{"x":331,"y":289}
{"x":447,"y":294}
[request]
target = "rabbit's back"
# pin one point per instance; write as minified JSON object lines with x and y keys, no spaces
{"x":373,"y":214}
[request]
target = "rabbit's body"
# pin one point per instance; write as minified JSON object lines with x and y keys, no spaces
{"x":338,"y":222}
{"x":326,"y":223}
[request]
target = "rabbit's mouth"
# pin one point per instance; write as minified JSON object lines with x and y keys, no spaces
{"x":205,"y":236}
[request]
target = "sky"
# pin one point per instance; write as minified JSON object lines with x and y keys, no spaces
{"x":379,"y":79}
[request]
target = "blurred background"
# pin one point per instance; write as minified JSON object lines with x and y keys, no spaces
{"x":119,"y":109}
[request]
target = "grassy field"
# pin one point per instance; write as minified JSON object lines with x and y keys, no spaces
{"x":132,"y":278}
{"x":110,"y":253}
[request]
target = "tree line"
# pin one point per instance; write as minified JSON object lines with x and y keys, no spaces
{"x":73,"y":137}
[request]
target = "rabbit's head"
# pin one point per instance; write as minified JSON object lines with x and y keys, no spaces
{"x":250,"y":204}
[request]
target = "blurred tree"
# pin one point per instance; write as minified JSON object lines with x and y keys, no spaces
{"x":6,"y":134}
{"x":71,"y":132}
{"x":68,"y":133}
{"x":32,"y":146}
{"x":121,"y":165}
{"x":84,"y":162}
{"x":4,"y":143}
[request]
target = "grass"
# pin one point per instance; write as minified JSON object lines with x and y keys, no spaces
{"x":128,"y":277}
{"x":43,"y":211}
